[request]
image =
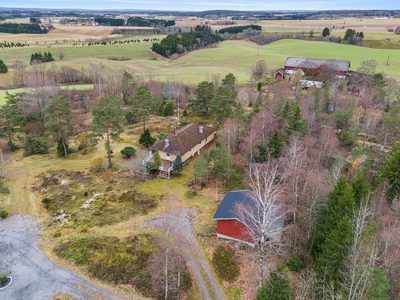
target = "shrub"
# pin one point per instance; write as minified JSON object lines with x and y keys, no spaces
{"x":96,"y":165}
{"x":162,"y":135}
{"x":169,"y":109}
{"x":83,"y":143}
{"x":35,"y":145}
{"x":346,"y":138}
{"x":185,"y":113}
{"x":224,"y":264}
{"x":46,"y":201}
{"x":3,"y":280}
{"x":131,"y":118}
{"x":3,"y":214}
{"x":294,"y":263}
{"x":128,"y":151}
{"x":146,"y":139}
{"x":3,"y":189}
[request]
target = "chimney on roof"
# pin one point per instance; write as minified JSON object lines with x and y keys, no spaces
{"x":166,"y":143}
{"x":201,"y":129}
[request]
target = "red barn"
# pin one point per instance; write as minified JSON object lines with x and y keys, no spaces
{"x":397,"y":30}
{"x":313,"y":66}
{"x":229,"y":225}
{"x":280,"y":74}
{"x":46,"y":26}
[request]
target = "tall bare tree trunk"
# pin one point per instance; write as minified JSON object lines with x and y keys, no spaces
{"x":2,"y":167}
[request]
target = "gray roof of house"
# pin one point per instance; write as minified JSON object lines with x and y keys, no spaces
{"x":233,"y":200}
{"x":313,"y":63}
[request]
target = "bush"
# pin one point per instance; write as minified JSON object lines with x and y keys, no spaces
{"x":46,"y":201}
{"x":169,"y":109}
{"x":128,"y":151}
{"x":162,"y":135}
{"x":131,"y":118}
{"x":3,"y":280}
{"x":96,"y":165}
{"x":3,"y":189}
{"x":294,"y":263}
{"x":35,"y":145}
{"x":146,"y":139}
{"x":3,"y":214}
{"x":224,"y":264}
{"x":346,"y":138}
{"x":185,"y":113}
{"x":83,"y":143}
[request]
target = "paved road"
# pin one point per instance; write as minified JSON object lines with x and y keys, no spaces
{"x":180,"y":223}
{"x":34,"y":276}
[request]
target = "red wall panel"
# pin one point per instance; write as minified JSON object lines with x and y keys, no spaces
{"x":233,"y":229}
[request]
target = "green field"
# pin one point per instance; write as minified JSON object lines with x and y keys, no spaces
{"x":231,"y":56}
{"x":306,"y":30}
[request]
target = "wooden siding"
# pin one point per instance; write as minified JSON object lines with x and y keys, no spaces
{"x":233,"y":229}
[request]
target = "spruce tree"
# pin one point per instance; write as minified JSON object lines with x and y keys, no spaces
{"x":185,"y":113}
{"x":391,"y":172}
{"x":177,"y":165}
{"x":287,"y":111}
{"x":223,"y":103}
{"x":278,"y":287}
{"x":157,"y":159}
{"x":146,"y":139}
{"x":3,"y":67}
{"x":202,"y":169}
{"x":141,"y":103}
{"x":333,"y":232}
{"x":275,"y":145}
{"x":359,"y":186}
{"x":204,"y":92}
{"x":161,"y":109}
{"x":169,"y":109}
{"x":296,"y":124}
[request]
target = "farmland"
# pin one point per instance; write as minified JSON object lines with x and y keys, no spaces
{"x":231,"y":56}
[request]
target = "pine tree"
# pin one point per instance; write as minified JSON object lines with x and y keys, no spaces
{"x":275,"y":145}
{"x":141,"y":102}
{"x":223,"y":103}
{"x":380,"y":286}
{"x":108,"y":116}
{"x":287,"y":111}
{"x":161,"y":109}
{"x":204,"y":92}
{"x":223,"y":162}
{"x":59,"y":120}
{"x":296,"y":124}
{"x":185,"y":113}
{"x":333,"y":232}
{"x":157,"y":159}
{"x":177,"y":165}
{"x":10,"y":120}
{"x":146,"y":139}
{"x":202,"y":169}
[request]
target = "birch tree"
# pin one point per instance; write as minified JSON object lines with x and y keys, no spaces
{"x":262,"y":213}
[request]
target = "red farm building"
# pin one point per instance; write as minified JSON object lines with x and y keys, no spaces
{"x":46,"y":26}
{"x":229,"y":225}
{"x":354,"y":91}
{"x":397,"y":30}
{"x":314,"y":66}
{"x":280,"y":74}
{"x":361,"y":85}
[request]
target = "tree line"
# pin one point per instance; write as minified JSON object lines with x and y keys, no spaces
{"x":180,"y":42}
{"x":238,"y":29}
{"x":142,"y":22}
{"x":21,"y":28}
{"x":110,"y":21}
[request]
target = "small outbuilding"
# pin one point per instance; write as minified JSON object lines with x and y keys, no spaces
{"x":229,"y":224}
{"x":280,"y":74}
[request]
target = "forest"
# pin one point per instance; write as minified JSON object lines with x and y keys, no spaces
{"x":238,"y":29}
{"x":110,"y":21}
{"x":142,"y":22}
{"x":21,"y":28}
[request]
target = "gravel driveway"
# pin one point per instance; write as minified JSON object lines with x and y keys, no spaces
{"x":34,"y":276}
{"x":180,"y":224}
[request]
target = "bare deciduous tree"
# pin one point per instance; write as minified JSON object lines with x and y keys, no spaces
{"x":61,"y":54}
{"x":19,"y":70}
{"x":262,"y":214}
{"x":259,"y":71}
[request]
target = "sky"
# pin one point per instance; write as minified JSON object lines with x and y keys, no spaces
{"x":190,"y":5}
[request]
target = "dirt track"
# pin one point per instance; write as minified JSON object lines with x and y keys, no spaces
{"x":34,"y":276}
{"x":180,"y":223}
